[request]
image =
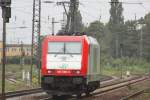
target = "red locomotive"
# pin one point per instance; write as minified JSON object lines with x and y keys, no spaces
{"x":70,"y":65}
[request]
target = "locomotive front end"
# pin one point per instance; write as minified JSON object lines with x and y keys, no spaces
{"x":62,"y":64}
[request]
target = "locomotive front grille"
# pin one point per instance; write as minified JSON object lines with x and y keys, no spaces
{"x":63,"y":83}
{"x":62,"y":80}
{"x":57,"y":81}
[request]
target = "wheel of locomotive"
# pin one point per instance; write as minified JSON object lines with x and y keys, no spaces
{"x":55,"y":97}
{"x":90,"y":88}
{"x":87,"y":90}
{"x":79,"y":95}
{"x":87,"y":93}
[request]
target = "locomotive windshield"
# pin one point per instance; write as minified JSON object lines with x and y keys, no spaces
{"x":64,"y":48}
{"x":55,"y":47}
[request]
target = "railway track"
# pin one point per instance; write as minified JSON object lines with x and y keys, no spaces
{"x":135,"y":94}
{"x":22,"y":93}
{"x":103,"y":89}
{"x":118,"y":85}
{"x":106,"y":84}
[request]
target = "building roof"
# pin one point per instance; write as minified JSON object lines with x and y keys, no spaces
{"x":18,"y":45}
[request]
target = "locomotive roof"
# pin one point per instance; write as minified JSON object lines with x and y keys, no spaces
{"x":65,"y":38}
{"x":92,"y":40}
{"x":49,"y":36}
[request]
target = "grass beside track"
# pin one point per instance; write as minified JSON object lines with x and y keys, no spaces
{"x":14,"y":80}
{"x":117,"y":70}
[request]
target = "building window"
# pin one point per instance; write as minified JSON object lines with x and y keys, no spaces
{"x":12,"y":49}
{"x":7,"y":49}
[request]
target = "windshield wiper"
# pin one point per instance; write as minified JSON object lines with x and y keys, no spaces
{"x":68,"y":53}
{"x":58,"y":51}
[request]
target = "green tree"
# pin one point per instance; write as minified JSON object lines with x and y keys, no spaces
{"x":116,"y":24}
{"x":100,"y":31}
{"x":96,"y":29}
{"x":130,"y":40}
{"x":146,"y":37}
{"x":78,"y":25}
{"x":78,"y":22}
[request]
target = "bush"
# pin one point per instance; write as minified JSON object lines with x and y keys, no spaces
{"x":13,"y":60}
{"x":123,"y":61}
{"x":17,"y":60}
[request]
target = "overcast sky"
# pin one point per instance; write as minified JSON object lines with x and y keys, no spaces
{"x":90,"y":9}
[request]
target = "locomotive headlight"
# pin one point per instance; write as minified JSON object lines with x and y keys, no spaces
{"x":49,"y":71}
{"x":78,"y":72}
{"x":77,"y":80}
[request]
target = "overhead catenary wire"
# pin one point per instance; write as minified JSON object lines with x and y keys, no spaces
{"x":89,"y":1}
{"x":141,"y":3}
{"x":29,"y":13}
{"x":43,"y":19}
{"x":88,"y":14}
{"x":145,"y":8}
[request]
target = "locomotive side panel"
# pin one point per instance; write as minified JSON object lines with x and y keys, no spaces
{"x":93,"y":61}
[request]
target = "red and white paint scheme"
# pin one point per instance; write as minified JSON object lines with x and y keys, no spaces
{"x":70,"y":64}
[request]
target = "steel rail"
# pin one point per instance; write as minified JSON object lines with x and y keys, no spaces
{"x":114,"y":86}
{"x":22,"y":93}
{"x":118,"y":85}
{"x":119,"y":82}
{"x":133,"y":95}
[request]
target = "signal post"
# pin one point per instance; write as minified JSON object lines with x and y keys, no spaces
{"x":6,"y":14}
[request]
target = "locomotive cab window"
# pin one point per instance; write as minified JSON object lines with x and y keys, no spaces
{"x":64,"y":48}
{"x":55,"y":47}
{"x":73,"y":48}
